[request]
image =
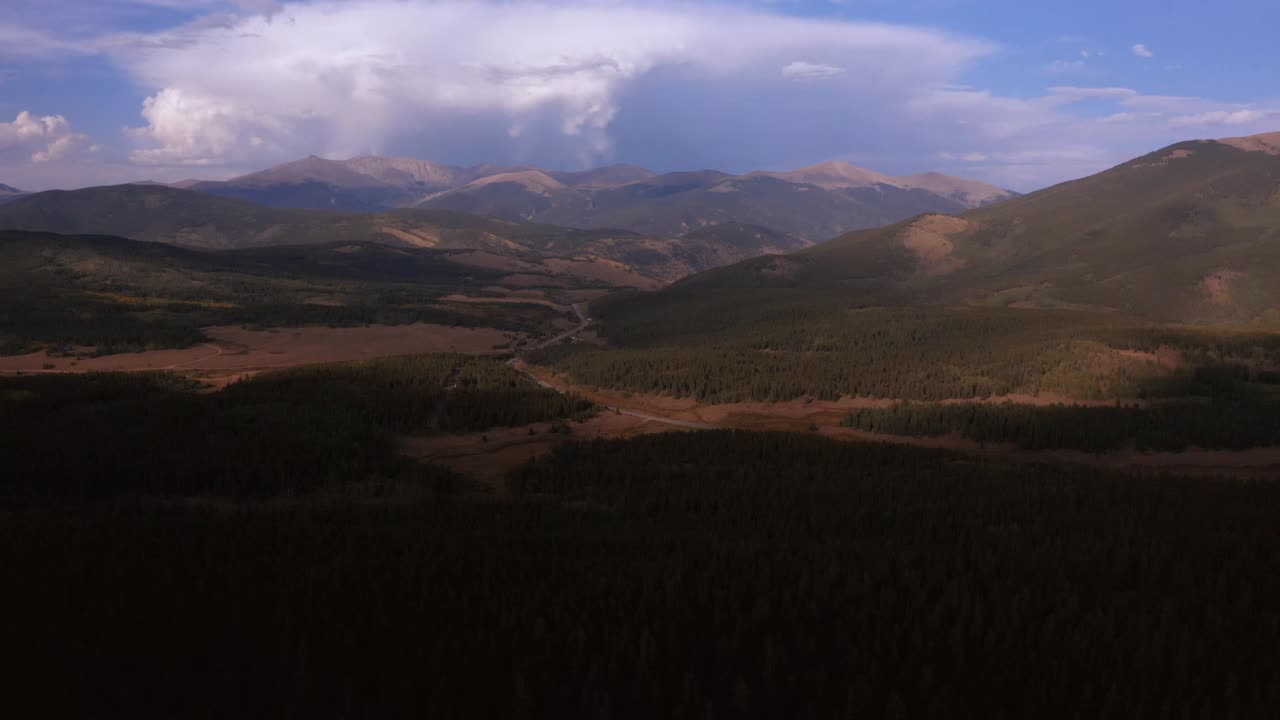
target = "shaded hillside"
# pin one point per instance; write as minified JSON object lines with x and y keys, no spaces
{"x":362,"y":184}
{"x":1188,"y":233}
{"x":610,"y":176}
{"x":114,"y":295}
{"x":9,"y":193}
{"x":602,"y":258}
{"x":370,"y":183}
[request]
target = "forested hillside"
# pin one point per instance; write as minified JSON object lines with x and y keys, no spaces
{"x":781,"y":344}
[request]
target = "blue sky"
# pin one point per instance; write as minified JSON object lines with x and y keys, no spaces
{"x":1019,"y":93}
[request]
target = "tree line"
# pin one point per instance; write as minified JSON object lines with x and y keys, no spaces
{"x":292,"y":431}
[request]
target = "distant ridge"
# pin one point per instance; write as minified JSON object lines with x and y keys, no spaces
{"x":200,"y":221}
{"x":8,"y":193}
{"x":813,"y":203}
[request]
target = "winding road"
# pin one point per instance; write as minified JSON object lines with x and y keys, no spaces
{"x":583,"y":323}
{"x":216,"y":352}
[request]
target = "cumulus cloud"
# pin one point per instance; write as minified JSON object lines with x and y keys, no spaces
{"x":41,"y":139}
{"x":801,"y":70}
{"x":345,"y":78}
{"x":738,"y":87}
{"x":1141,"y":51}
{"x":186,"y":129}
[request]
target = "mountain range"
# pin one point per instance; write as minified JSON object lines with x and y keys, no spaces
{"x":189,"y":219}
{"x":1189,"y":233}
{"x":814,"y":203}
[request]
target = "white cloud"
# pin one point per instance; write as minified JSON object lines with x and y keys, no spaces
{"x":1219,"y":117}
{"x":1141,"y":51}
{"x":344,"y":78}
{"x":198,"y":130}
{"x":41,"y":139}
{"x":572,"y":83}
{"x":801,"y":70}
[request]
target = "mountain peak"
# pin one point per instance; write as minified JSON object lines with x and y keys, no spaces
{"x":9,"y":190}
{"x":309,"y":169}
{"x":832,"y":174}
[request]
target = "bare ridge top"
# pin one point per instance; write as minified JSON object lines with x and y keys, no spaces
{"x":832,"y":174}
{"x":1266,"y":142}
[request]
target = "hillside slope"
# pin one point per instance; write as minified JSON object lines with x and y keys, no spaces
{"x":1189,"y":233}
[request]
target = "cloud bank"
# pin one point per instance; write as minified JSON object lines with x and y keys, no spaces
{"x":244,"y":84}
{"x":344,"y":78}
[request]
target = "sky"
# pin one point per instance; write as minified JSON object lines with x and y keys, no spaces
{"x":1019,"y":93}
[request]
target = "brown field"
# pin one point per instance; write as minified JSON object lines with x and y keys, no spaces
{"x":234,"y":349}
{"x":511,"y":300}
